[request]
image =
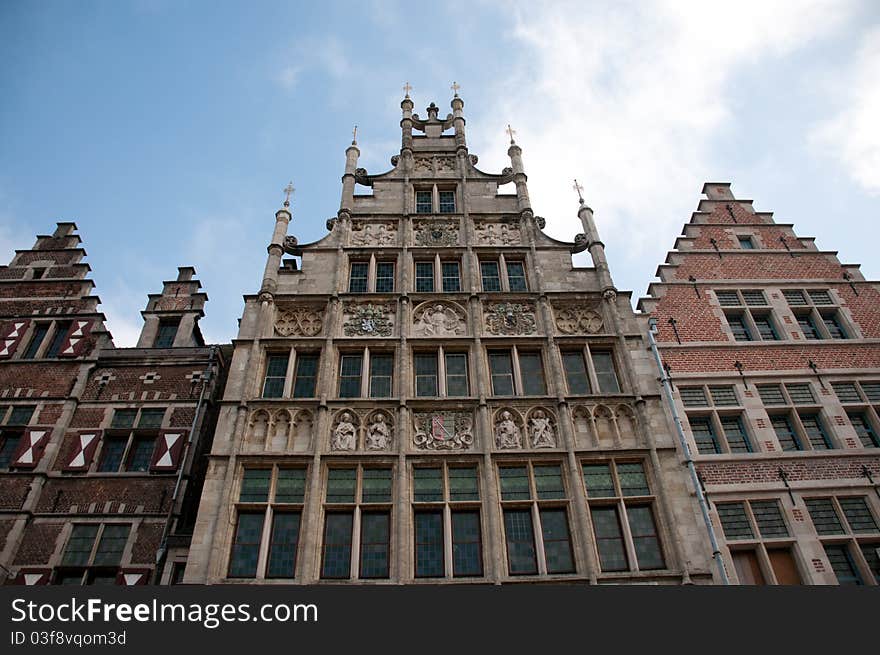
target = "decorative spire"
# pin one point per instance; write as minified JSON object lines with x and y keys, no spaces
{"x":579,"y":189}
{"x":354,"y":136}
{"x":406,"y":89}
{"x":510,"y":132}
{"x":288,"y":190}
{"x":455,"y":87}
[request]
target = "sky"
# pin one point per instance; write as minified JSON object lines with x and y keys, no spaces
{"x":167,"y":129}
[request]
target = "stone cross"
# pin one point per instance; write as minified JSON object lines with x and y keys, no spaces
{"x":406,"y":89}
{"x":579,"y":189}
{"x":510,"y":132}
{"x":455,"y":87}
{"x":354,"y":136}
{"x":289,"y":189}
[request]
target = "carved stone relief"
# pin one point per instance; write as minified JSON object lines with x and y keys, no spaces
{"x":344,"y":436}
{"x":578,"y":319}
{"x":367,"y":320}
{"x":432,"y":165}
{"x":380,"y":431}
{"x":373,"y":234}
{"x":423,"y":165}
{"x":541,"y":429}
{"x":438,"y":319}
{"x":443,"y":431}
{"x":436,"y":233}
{"x":498,"y":234}
{"x":279,"y":430}
{"x":508,"y":433}
{"x":299,"y":320}
{"x":508,"y":318}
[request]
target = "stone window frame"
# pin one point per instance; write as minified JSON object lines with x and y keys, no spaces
{"x":89,"y":570}
{"x":503,"y":274}
{"x":621,"y":502}
{"x":817,"y":312}
{"x":357,"y":508}
{"x":51,"y":340}
{"x":437,"y":261}
{"x":366,"y":375}
{"x":11,"y":433}
{"x":441,"y":352}
{"x":715,"y":412}
{"x":853,"y":542}
{"x":436,"y":205}
{"x":131,"y":434}
{"x":161,"y":339}
{"x":535,"y":505}
{"x":514,"y":351}
{"x":448,"y":506}
{"x":269,"y":508}
{"x":372,"y":261}
{"x":293,"y":354}
{"x":795,"y":411}
{"x":864,"y":406}
{"x":757,"y":543}
{"x":748,"y":311}
{"x":586,"y":349}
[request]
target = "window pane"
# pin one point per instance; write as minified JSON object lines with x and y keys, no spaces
{"x":738,"y":327}
{"x":872,"y":391}
{"x":276,"y":371}
{"x":39,"y":334}
{"x":79,"y":545}
{"x":111,"y":545}
{"x":820,"y":297}
{"x":463,"y":483}
{"x":336,"y":561}
{"x":467,"y":558}
{"x":800,"y":394}
{"x":341,"y":484}
{"x":754,"y":297}
{"x":502,"y":373}
{"x":815,"y":432}
{"x":381,"y":367}
{"x":491,"y":279}
{"x":447,"y":202}
{"x":632,"y":479}
{"x":765,"y":327}
{"x":255,"y":486}
{"x":771,"y":394}
{"x":429,"y":544}
{"x":727,"y":298}
{"x":609,"y":539}
{"x":112,"y":449}
{"x":872,"y":557}
{"x":746,"y":243}
{"x":723,"y":396}
{"x":516,"y":276}
{"x":548,"y":482}
{"x":427,"y":485}
{"x":426,"y":374}
{"x":824,"y":516}
{"x":520,"y":535}
{"x":151,"y":418}
{"x":603,"y":362}
{"x":794,"y":297}
{"x":557,"y":546}
{"x":846,"y":392}
{"x":246,"y":545}
{"x":140,"y":454}
{"x":644,"y":534}
{"x":532,"y":374}
{"x":832,"y":324}
{"x":693,"y":397}
{"x":376,"y":486}
{"x":842,"y":563}
{"x":858,"y":515}
{"x":514,"y":483}
{"x":282,"y":547}
{"x":788,"y":439}
{"x":451,"y":277}
{"x":350,"y":376}
{"x":808,"y":327}
{"x":737,"y":439}
{"x":598,"y":480}
{"x":357,"y":281}
{"x":576,"y":372}
{"x":305,"y":376}
{"x":61,"y":330}
{"x":862,"y":425}
{"x":374,"y":544}
{"x":290,"y":486}
{"x":423,"y":202}
{"x":8,"y":446}
{"x":123,"y":418}
{"x":425,"y":276}
{"x":734,"y":521}
{"x":384,"y":277}
{"x":456,"y":375}
{"x":165,"y":336}
{"x":768,"y":516}
{"x":704,"y":435}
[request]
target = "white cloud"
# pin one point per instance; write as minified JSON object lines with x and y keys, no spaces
{"x":325,"y":54}
{"x":852,"y":136}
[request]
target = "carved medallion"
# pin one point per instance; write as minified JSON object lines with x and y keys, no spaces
{"x":578,"y":319}
{"x":436,"y":233}
{"x":438,"y":319}
{"x":299,"y":321}
{"x":443,"y":431}
{"x":367,"y":321}
{"x":507,"y":318}
{"x":373,"y":234}
{"x":498,"y":234}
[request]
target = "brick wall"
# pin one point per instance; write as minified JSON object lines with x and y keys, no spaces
{"x":38,"y":543}
{"x":52,"y":378}
{"x":695,"y":319}
{"x":761,"y":471}
{"x":50,"y":414}
{"x":755,"y":266}
{"x":153,"y":492}
{"x":128,"y":384}
{"x":42,"y":289}
{"x":64,"y":257}
{"x":13,"y":490}
{"x":725,"y":237}
{"x":865,"y":308}
{"x":5,"y":527}
{"x":53,"y":308}
{"x":826,"y":355}
{"x":88,"y":417}
{"x":182,"y":417}
{"x":147,"y":543}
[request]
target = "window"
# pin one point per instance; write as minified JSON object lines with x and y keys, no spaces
{"x":621,"y":507}
{"x":357,"y":496}
{"x":275,"y":495}
{"x":803,"y":429}
{"x":379,"y":383}
{"x":746,"y":243}
{"x":435,"y":274}
{"x":747,"y":324}
{"x":425,"y":200}
{"x":296,"y":370}
{"x":451,"y":277}
{"x":276,"y":373}
{"x":93,"y":553}
{"x":424,"y":203}
{"x":446,"y":510}
{"x":441,"y":373}
{"x":534,"y":503}
{"x":716,"y":432}
{"x":61,"y":330}
{"x":384,"y":277}
{"x":40,"y":331}
{"x":861,"y":422}
{"x":588,"y":368}
{"x":357,"y":277}
{"x":514,"y":278}
{"x":516,"y":371}
{"x":129,"y":443}
{"x":816,"y":314}
{"x":10,"y":431}
{"x":850,"y":534}
{"x":425,"y":277}
{"x":166,"y":333}
{"x":447,"y":202}
{"x":306,"y":375}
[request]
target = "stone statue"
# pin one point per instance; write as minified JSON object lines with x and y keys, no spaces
{"x":541,"y":431}
{"x":507,"y":434}
{"x":438,"y":321}
{"x":378,"y":434}
{"x":345,"y":434}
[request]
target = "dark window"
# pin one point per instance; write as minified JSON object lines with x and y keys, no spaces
{"x":557,"y":543}
{"x":824,"y":516}
{"x":427,"y":485}
{"x":858,"y":515}
{"x":291,"y":486}
{"x":336,"y":559}
{"x":38,"y":273}
{"x":451,"y":277}
{"x":111,"y":545}
{"x":746,"y":243}
{"x":79,"y":545}
{"x":456,"y":375}
{"x":384,"y":277}
{"x":768,"y":516}
{"x":609,"y":539}
{"x":871,"y":553}
{"x":704,"y":435}
{"x":502,"y":373}
{"x":754,"y":297}
{"x":514,"y":483}
{"x":727,"y":298}
{"x":20,"y":415}
{"x":463,"y":483}
{"x":820,"y":297}
{"x":735,"y":521}
{"x":739,"y":328}
{"x":632,"y":479}
{"x":808,"y":326}
{"x":467,"y":556}
{"x":381,"y":370}
{"x":765,"y":327}
{"x":516,"y":276}
{"x":800,"y":394}
{"x":832,"y":324}
{"x":124,"y":418}
{"x":255,"y":486}
{"x":305,"y":376}
{"x":341,"y":485}
{"x":598,"y":479}
{"x":491,"y":279}
{"x":426,"y":374}
{"x":785,"y":433}
{"x":425,"y":277}
{"x":548,"y":482}
{"x":644,"y":535}
{"x":815,"y":432}
{"x":429,"y":544}
{"x":842,"y":564}
{"x":862,"y":425}
{"x":846,"y":392}
{"x":151,"y":418}
{"x":282,"y":545}
{"x":872,"y":391}
{"x":61,"y":330}
{"x":246,"y":545}
{"x":350,"y":376}
{"x":447,"y":202}
{"x":532,"y":372}
{"x":357,"y":279}
{"x":576,"y":372}
{"x":8,"y":445}
{"x":603,"y":363}
{"x":693,"y":397}
{"x":521,"y":558}
{"x":723,"y":396}
{"x":276,"y":371}
{"x":376,"y":485}
{"x":374,"y":544}
{"x":771,"y":394}
{"x":166,"y":333}
{"x":794,"y":297}
{"x":140,"y":454}
{"x":39,"y":334}
{"x":424,"y":203}
{"x":112,"y":450}
{"x":735,"y":433}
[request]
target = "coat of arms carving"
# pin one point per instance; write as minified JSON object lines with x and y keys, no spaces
{"x":507,"y":318}
{"x":443,"y":431}
{"x":436,"y":233}
{"x":367,"y":321}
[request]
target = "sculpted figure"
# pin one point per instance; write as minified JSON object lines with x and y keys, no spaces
{"x":541,"y":431}
{"x":507,"y":434}
{"x":345,"y":434}
{"x":378,"y":434}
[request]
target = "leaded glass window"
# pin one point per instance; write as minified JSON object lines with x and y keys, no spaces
{"x":734,"y":521}
{"x":306,"y":375}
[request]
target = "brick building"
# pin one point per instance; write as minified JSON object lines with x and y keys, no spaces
{"x":433,"y":393}
{"x":100,"y":447}
{"x":772,"y":347}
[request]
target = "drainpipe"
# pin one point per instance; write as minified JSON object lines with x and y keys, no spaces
{"x":667,"y":393}
{"x":163,"y":544}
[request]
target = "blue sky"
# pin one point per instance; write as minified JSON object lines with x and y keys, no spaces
{"x":167,"y":130}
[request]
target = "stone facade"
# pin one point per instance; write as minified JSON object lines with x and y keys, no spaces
{"x":98,"y":474}
{"x":772,"y":347}
{"x":424,"y":397}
